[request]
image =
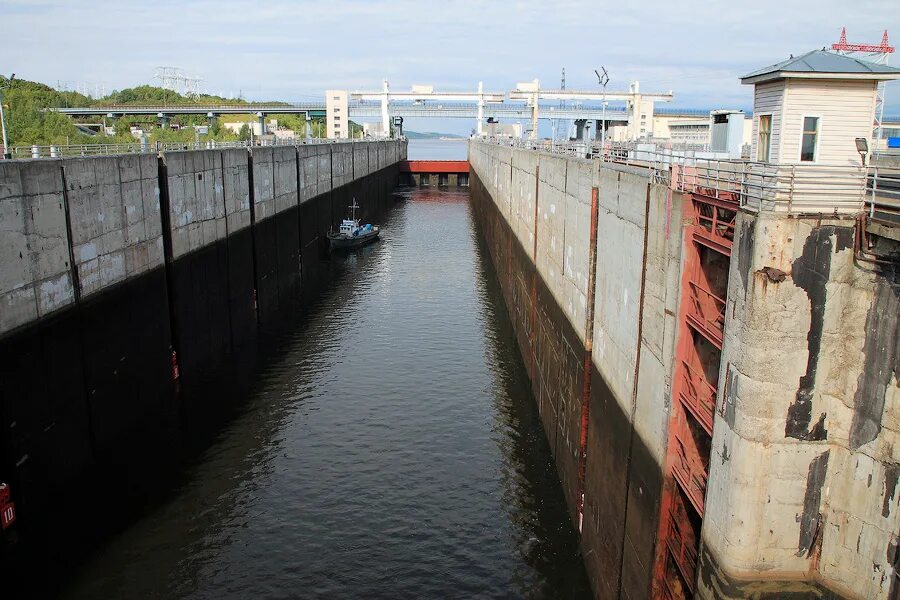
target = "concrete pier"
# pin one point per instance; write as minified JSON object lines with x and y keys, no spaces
{"x":736,"y":419}
{"x":129,"y":282}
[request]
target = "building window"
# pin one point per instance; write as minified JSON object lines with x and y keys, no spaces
{"x":810,"y":139}
{"x":337,"y":109}
{"x":764,"y":138}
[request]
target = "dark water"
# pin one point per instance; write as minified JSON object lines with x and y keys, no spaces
{"x":390,"y":449}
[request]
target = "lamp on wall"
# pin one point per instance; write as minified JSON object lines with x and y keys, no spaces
{"x":862,"y":146}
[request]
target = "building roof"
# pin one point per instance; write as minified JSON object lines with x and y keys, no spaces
{"x":822,"y":64}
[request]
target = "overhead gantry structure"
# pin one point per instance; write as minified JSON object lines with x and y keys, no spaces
{"x":424,"y":101}
{"x":419,"y":94}
{"x":638,"y":107}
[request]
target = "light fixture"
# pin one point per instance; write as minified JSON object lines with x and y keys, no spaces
{"x":862,"y":146}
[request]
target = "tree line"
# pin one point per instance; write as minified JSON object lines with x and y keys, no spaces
{"x":28,"y":123}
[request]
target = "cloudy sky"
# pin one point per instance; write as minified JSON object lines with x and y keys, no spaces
{"x":294,"y":49}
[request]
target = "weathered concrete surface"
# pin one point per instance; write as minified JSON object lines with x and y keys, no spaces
{"x":78,"y":386}
{"x":545,"y":201}
{"x":360,"y":160}
{"x":35,"y":274}
{"x":805,"y":448}
{"x":114,"y":218}
{"x":196,"y":199}
{"x":341,"y":164}
{"x":235,"y":179}
{"x":637,"y":292}
{"x":263,"y":183}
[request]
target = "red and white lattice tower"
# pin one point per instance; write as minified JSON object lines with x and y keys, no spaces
{"x":877,"y":54}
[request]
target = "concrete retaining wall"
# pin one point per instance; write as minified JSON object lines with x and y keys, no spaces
{"x":802,"y":497}
{"x":545,"y":201}
{"x":115,"y":223}
{"x":120,"y":273}
{"x":35,"y":270}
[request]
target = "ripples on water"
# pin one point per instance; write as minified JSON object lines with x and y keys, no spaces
{"x":390,"y":448}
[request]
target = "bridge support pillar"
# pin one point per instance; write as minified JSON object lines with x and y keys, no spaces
{"x":261,"y":117}
{"x":385,"y":109}
{"x":479,"y":128}
{"x":308,"y":126}
{"x":579,"y":128}
{"x":163,"y":120}
{"x":210,"y":119}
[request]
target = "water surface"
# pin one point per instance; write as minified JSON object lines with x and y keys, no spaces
{"x":391,"y":448}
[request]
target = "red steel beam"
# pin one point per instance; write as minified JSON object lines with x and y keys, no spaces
{"x":434,"y":166}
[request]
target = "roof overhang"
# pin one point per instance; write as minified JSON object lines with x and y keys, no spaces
{"x":779,"y":75}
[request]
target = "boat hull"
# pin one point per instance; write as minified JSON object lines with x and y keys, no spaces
{"x":340,"y":242}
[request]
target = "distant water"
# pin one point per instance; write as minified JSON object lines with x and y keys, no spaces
{"x":391,"y":449}
{"x":438,"y":149}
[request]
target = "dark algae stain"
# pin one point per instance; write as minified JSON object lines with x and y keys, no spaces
{"x":810,"y":272}
{"x":748,"y":229}
{"x":812,"y":499}
{"x":881,"y":364}
{"x":891,"y":475}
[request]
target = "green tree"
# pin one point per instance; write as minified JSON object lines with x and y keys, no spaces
{"x":244,"y":133}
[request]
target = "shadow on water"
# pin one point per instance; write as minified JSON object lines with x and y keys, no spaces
{"x":292,"y":476}
{"x":545,"y":537}
{"x":163,"y":456}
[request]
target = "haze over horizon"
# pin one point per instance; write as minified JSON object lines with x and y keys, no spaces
{"x":293,"y":51}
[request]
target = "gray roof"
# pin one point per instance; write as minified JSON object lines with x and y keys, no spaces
{"x":823,"y":61}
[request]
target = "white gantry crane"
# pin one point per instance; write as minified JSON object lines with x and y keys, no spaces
{"x":423,"y":93}
{"x":638,"y":105}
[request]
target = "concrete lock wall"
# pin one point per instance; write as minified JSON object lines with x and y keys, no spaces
{"x":35,"y":273}
{"x":636,"y":300}
{"x":801,"y":496}
{"x":544,"y":202}
{"x":804,"y":466}
{"x":120,"y":274}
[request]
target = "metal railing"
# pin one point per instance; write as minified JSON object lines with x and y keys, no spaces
{"x":754,"y":186}
{"x":74,"y":150}
{"x":883,"y":192}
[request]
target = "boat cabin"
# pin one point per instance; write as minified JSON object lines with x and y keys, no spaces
{"x":348,"y":226}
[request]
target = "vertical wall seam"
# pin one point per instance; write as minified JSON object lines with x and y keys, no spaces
{"x":227,"y":250}
{"x":274,"y":217}
{"x":537,"y":185}
{"x":165,"y":218}
{"x":252,"y":202}
{"x":634,"y":390}
{"x":588,"y":352}
{"x":299,"y":220}
{"x":73,"y":268}
{"x":76,"y":293}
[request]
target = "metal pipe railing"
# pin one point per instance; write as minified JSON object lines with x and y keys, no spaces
{"x":790,"y":188}
{"x":74,"y":150}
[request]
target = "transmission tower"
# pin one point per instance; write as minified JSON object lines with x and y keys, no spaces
{"x":878,"y":54}
{"x":174,"y":78}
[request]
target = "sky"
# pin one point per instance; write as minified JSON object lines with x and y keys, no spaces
{"x":294,"y":50}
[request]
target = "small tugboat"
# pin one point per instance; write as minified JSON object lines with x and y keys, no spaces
{"x":351,"y":234}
